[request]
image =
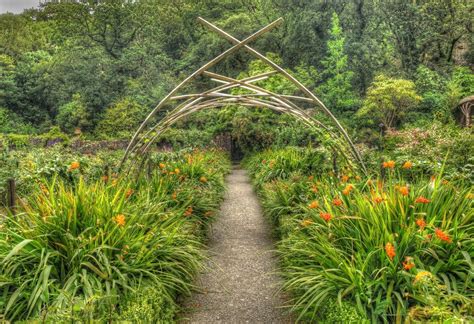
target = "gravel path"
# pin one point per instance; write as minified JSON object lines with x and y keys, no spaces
{"x":240,"y":285}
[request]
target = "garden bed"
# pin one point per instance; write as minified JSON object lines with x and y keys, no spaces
{"x":92,"y":246}
{"x":355,"y":249}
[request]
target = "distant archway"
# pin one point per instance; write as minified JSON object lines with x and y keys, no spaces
{"x":259,"y":97}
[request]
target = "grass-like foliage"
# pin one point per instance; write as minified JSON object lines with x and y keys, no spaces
{"x":390,"y":249}
{"x":110,"y":249}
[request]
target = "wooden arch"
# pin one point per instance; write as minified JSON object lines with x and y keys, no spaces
{"x":259,"y":97}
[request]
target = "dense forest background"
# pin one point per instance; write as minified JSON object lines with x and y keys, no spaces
{"x":98,"y":69}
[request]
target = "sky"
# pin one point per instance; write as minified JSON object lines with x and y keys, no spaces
{"x":17,"y":6}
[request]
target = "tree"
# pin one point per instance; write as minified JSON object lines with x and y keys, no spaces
{"x":460,"y":86}
{"x":7,"y":79}
{"x":73,"y":115}
{"x":12,"y":123}
{"x":121,"y":119}
{"x":388,"y":100}
{"x":336,"y":89}
{"x":113,"y":25}
{"x":431,"y":86}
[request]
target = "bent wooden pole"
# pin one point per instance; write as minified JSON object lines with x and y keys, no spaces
{"x":206,"y":66}
{"x":292,"y":79}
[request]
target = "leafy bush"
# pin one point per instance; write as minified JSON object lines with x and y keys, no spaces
{"x":121,"y":119}
{"x":12,"y":123}
{"x":388,"y":100}
{"x":73,"y":115}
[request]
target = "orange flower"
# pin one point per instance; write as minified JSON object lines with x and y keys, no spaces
{"x":44,"y":189}
{"x":188,"y":211}
{"x":421,"y":223}
{"x":105,"y":178}
{"x":390,"y":250}
{"x":174,"y":195}
{"x":74,"y":165}
{"x":311,"y":178}
{"x":120,"y":220}
{"x":345,"y":178}
{"x":337,"y":202}
{"x":129,"y":192}
{"x":314,"y":204}
{"x":347,"y":190}
{"x":378,"y":199}
{"x":442,"y":235}
{"x":408,"y":264}
{"x":306,"y":222}
{"x":162,"y":165}
{"x":407,"y":165}
{"x":203,"y":179}
{"x":358,"y":178}
{"x":389,"y":164}
{"x":403,"y":190}
{"x":326,"y":216}
{"x":314,"y":188}
{"x":422,"y":200}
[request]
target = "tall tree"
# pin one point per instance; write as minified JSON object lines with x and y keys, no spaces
{"x":336,"y":89}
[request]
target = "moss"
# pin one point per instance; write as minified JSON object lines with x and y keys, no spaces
{"x":150,"y":305}
{"x":345,"y":312}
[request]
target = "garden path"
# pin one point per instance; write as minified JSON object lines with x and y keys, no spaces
{"x":240,"y":284}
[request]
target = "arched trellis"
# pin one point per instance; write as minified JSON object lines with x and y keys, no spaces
{"x":258,"y":97}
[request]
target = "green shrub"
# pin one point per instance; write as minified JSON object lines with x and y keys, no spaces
{"x":73,"y":115}
{"x":121,"y":119}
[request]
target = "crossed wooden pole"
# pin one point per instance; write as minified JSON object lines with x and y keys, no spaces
{"x":187,"y":104}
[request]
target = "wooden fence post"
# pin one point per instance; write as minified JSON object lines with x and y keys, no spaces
{"x":11,"y":195}
{"x":149,"y":169}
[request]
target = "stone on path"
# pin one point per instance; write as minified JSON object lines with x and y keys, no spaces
{"x":240,"y":284}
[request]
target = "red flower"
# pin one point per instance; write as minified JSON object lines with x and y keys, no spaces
{"x":442,"y":235}
{"x":337,"y":202}
{"x":408,"y":264}
{"x":422,"y":200}
{"x":188,"y":211}
{"x":326,"y":216}
{"x":421,"y":223}
{"x":129,"y":192}
{"x":390,"y":250}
